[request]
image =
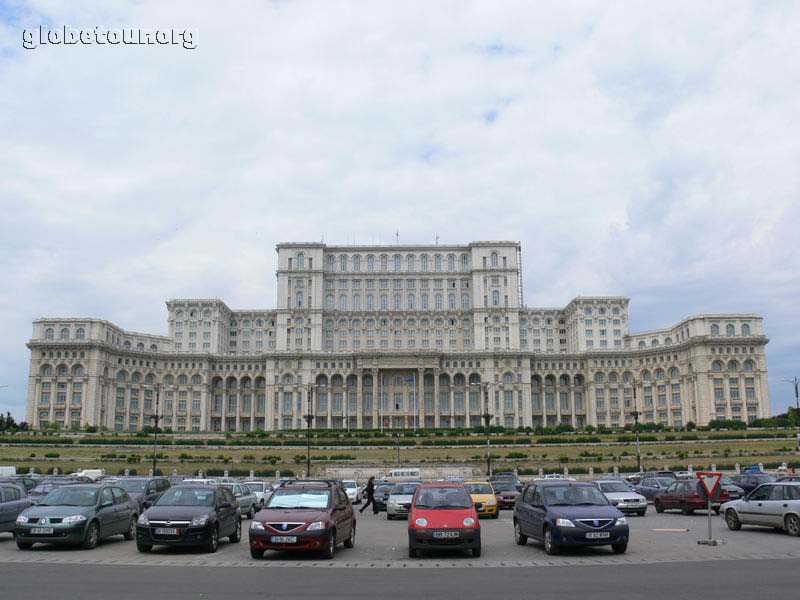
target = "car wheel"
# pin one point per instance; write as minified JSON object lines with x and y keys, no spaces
{"x":549,"y":546}
{"x":732,"y":519}
{"x":143,"y":548}
{"x":642,"y":513}
{"x":256,"y":553}
{"x":351,"y":541}
{"x":24,"y":546}
{"x":236,"y":537}
{"x":213,"y":540}
{"x":331,"y":549}
{"x":792,"y":523}
{"x":658,"y":507}
{"x":389,"y":517}
{"x":252,"y":511}
{"x":685,"y":510}
{"x":92,"y":537}
{"x":412,"y":552}
{"x":476,"y":552}
{"x":619,"y":548}
{"x":519,"y":537}
{"x":131,"y":533}
{"x":496,"y":515}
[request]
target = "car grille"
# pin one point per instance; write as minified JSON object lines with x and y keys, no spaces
{"x":169,"y":523}
{"x":285,"y":527}
{"x":595,"y":523}
{"x":55,"y":519}
{"x":631,"y":500}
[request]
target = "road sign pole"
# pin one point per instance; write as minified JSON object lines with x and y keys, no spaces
{"x":709,"y":484}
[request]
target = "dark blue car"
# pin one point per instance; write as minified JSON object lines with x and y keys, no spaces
{"x":568,"y":513}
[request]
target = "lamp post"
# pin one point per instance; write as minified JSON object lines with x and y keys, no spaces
{"x":636,"y":428}
{"x":156,"y":418}
{"x":796,"y":382}
{"x":487,"y":419}
{"x":309,"y":417}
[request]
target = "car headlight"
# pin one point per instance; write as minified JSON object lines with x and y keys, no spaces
{"x":564,"y":523}
{"x":199,"y":521}
{"x":143,"y":520}
{"x":316,"y":526}
{"x":421,"y":522}
{"x":256,"y":525}
{"x":490,"y":502}
{"x":74,"y":519}
{"x":22,"y":519}
{"x":622,"y":521}
{"x":392,"y":503}
{"x":469,"y":522}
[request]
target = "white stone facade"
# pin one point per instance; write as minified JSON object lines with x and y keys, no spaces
{"x":394,"y":336}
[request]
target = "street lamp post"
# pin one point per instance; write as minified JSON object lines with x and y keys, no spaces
{"x":796,"y":382}
{"x":636,"y":428}
{"x":309,"y":417}
{"x":156,"y":418}
{"x":487,"y":419}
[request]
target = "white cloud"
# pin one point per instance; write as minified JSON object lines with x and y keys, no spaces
{"x":647,"y":150}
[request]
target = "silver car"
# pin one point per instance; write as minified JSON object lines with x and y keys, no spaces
{"x":621,"y":496}
{"x":769,"y":505}
{"x":399,"y":501}
{"x":244,"y":497}
{"x":262,"y":491}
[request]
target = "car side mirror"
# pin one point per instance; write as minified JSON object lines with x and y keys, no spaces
{"x":147,"y":504}
{"x":238,"y":496}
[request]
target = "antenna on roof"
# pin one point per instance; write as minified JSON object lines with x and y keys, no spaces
{"x":397,"y":237}
{"x":437,"y":239}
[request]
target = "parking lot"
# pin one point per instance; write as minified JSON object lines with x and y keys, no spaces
{"x":655,"y":538}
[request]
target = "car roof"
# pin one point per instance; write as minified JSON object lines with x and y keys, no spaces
{"x":438,"y":484}
{"x":562,"y":482}
{"x":473,"y":482}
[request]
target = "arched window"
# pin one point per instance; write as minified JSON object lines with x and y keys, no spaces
{"x":329,"y":261}
{"x":299,"y":299}
{"x":659,"y":374}
{"x":342,"y":302}
{"x":495,"y":298}
{"x":730,"y":330}
{"x":654,"y":342}
{"x":674,"y":373}
{"x":587,"y":311}
{"x":613,"y":377}
{"x":397,"y":262}
{"x":48,"y":334}
{"x":599,"y":378}
{"x":645,"y":375}
{"x":122,"y":376}
{"x":615,"y":311}
{"x":370,"y":263}
{"x":384,"y":301}
{"x":411,"y":263}
{"x":384,"y":263}
{"x":464,"y":262}
{"x":80,"y":333}
{"x":411,"y":301}
{"x":451,"y":301}
{"x":140,"y":346}
{"x":745,"y":329}
{"x":563,"y":381}
{"x":733,"y":366}
{"x":423,"y":262}
{"x":136,"y":378}
{"x":183,"y":380}
{"x":127,"y":344}
{"x":356,"y":301}
{"x":508,"y":378}
{"x":748,"y":365}
{"x":149,"y":379}
{"x":370,"y":301}
{"x":451,"y":263}
{"x":356,"y":263}
{"x":397,"y":302}
{"x":464,"y":300}
{"x":153,"y":347}
{"x":627,"y":377}
{"x":330,"y":302}
{"x":424,"y":302}
{"x":716,"y":366}
{"x":301,"y":261}
{"x":438,"y":301}
{"x":64,"y":333}
{"x":343,"y":263}
{"x":494,"y":259}
{"x":667,"y":341}
{"x":437,"y":263}
{"x":642,"y":344}
{"x":715,"y":329}
{"x":47,"y":371}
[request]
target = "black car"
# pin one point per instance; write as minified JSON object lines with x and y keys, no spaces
{"x":750,"y":482}
{"x":382,"y":491}
{"x":568,"y":513}
{"x":143,"y":490}
{"x":190,"y":515}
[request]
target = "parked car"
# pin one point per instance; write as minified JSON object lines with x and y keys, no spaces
{"x":46,"y":486}
{"x":261,"y":489}
{"x":483,"y":497}
{"x":79,"y":514}
{"x":684,"y":494}
{"x":684,"y":474}
{"x":382,"y":491}
{"x":245,"y":498}
{"x":199,"y":481}
{"x":752,"y":470}
{"x":143,"y":490}
{"x":734,"y":491}
{"x":25,"y":482}
{"x":789,"y":479}
{"x":634,"y":478}
{"x":399,"y":501}
{"x":304,"y":516}
{"x":443,"y":516}
{"x":660,"y":474}
{"x":621,"y":496}
{"x":750,"y":482}
{"x":190,"y":515}
{"x":562,"y":513}
{"x":506,"y":494}
{"x":352,"y":490}
{"x":770,"y":505}
{"x":649,"y":487}
{"x":13,"y":500}
{"x":506,"y":476}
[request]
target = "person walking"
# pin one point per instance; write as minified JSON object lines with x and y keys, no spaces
{"x":369,"y":490}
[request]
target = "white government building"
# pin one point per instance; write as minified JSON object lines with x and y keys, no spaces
{"x":401,"y":337}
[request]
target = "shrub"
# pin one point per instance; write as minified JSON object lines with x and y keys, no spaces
{"x":516,"y":455}
{"x":52,"y":455}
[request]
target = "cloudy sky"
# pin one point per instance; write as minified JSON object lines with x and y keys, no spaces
{"x":646,"y":149}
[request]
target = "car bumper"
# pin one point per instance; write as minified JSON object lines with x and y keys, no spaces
{"x":191,"y":536}
{"x":506,"y":502}
{"x":631,"y":507}
{"x":575,"y":536}
{"x":397,"y":510}
{"x":307,"y":541}
{"x":487,"y":510}
{"x":424,"y":539}
{"x":62,"y":534}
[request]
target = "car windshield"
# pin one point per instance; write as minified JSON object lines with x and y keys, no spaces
{"x":503,"y":486}
{"x":479,"y":488}
{"x":384,"y":487}
{"x":308,"y":499}
{"x":404,"y":489}
{"x":70,"y":496}
{"x":665,"y":481}
{"x":443,"y":498}
{"x":350,"y":485}
{"x":613,"y":486}
{"x":256,"y":487}
{"x":186,"y":496}
{"x":133,"y":485}
{"x":764,"y":478}
{"x":573,"y":495}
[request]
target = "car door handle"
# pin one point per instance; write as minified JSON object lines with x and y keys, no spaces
{"x":785,"y":506}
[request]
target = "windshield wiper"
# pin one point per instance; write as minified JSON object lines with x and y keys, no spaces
{"x":422,"y":506}
{"x":588,"y":504}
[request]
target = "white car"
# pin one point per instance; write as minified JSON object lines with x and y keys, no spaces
{"x":769,"y":505}
{"x":399,"y":501}
{"x":261,"y":489}
{"x":353,"y":491}
{"x":197,"y":481}
{"x":621,"y":496}
{"x":558,"y":476}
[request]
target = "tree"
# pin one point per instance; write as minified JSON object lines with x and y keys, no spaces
{"x":690,"y":426}
{"x":10,"y":423}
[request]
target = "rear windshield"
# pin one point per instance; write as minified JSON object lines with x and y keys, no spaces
{"x":308,"y":499}
{"x":384,"y":487}
{"x":613,"y":486}
{"x":443,"y":498}
{"x":479,"y":488}
{"x":256,"y":487}
{"x":502,"y":486}
{"x":665,"y":481}
{"x":183,"y":496}
{"x":132,"y":485}
{"x":350,"y":485}
{"x":404,"y":489}
{"x":573,"y":495}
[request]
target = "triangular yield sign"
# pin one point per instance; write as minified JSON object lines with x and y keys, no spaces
{"x":709,"y":481}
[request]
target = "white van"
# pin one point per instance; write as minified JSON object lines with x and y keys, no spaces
{"x":398,"y":475}
{"x":93,"y":474}
{"x":7,"y":471}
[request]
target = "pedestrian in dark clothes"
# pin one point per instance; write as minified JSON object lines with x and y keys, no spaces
{"x":370,"y":492}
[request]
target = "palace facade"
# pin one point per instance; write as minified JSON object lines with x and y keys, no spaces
{"x":397,"y":336}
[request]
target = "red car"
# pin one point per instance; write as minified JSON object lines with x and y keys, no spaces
{"x":506,"y":493}
{"x":443,"y":517}
{"x":683,"y":494}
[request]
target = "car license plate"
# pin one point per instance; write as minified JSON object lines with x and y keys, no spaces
{"x":167,"y":531}
{"x":445,"y":534}
{"x":42,"y":530}
{"x":598,"y":535}
{"x":284,"y":539}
